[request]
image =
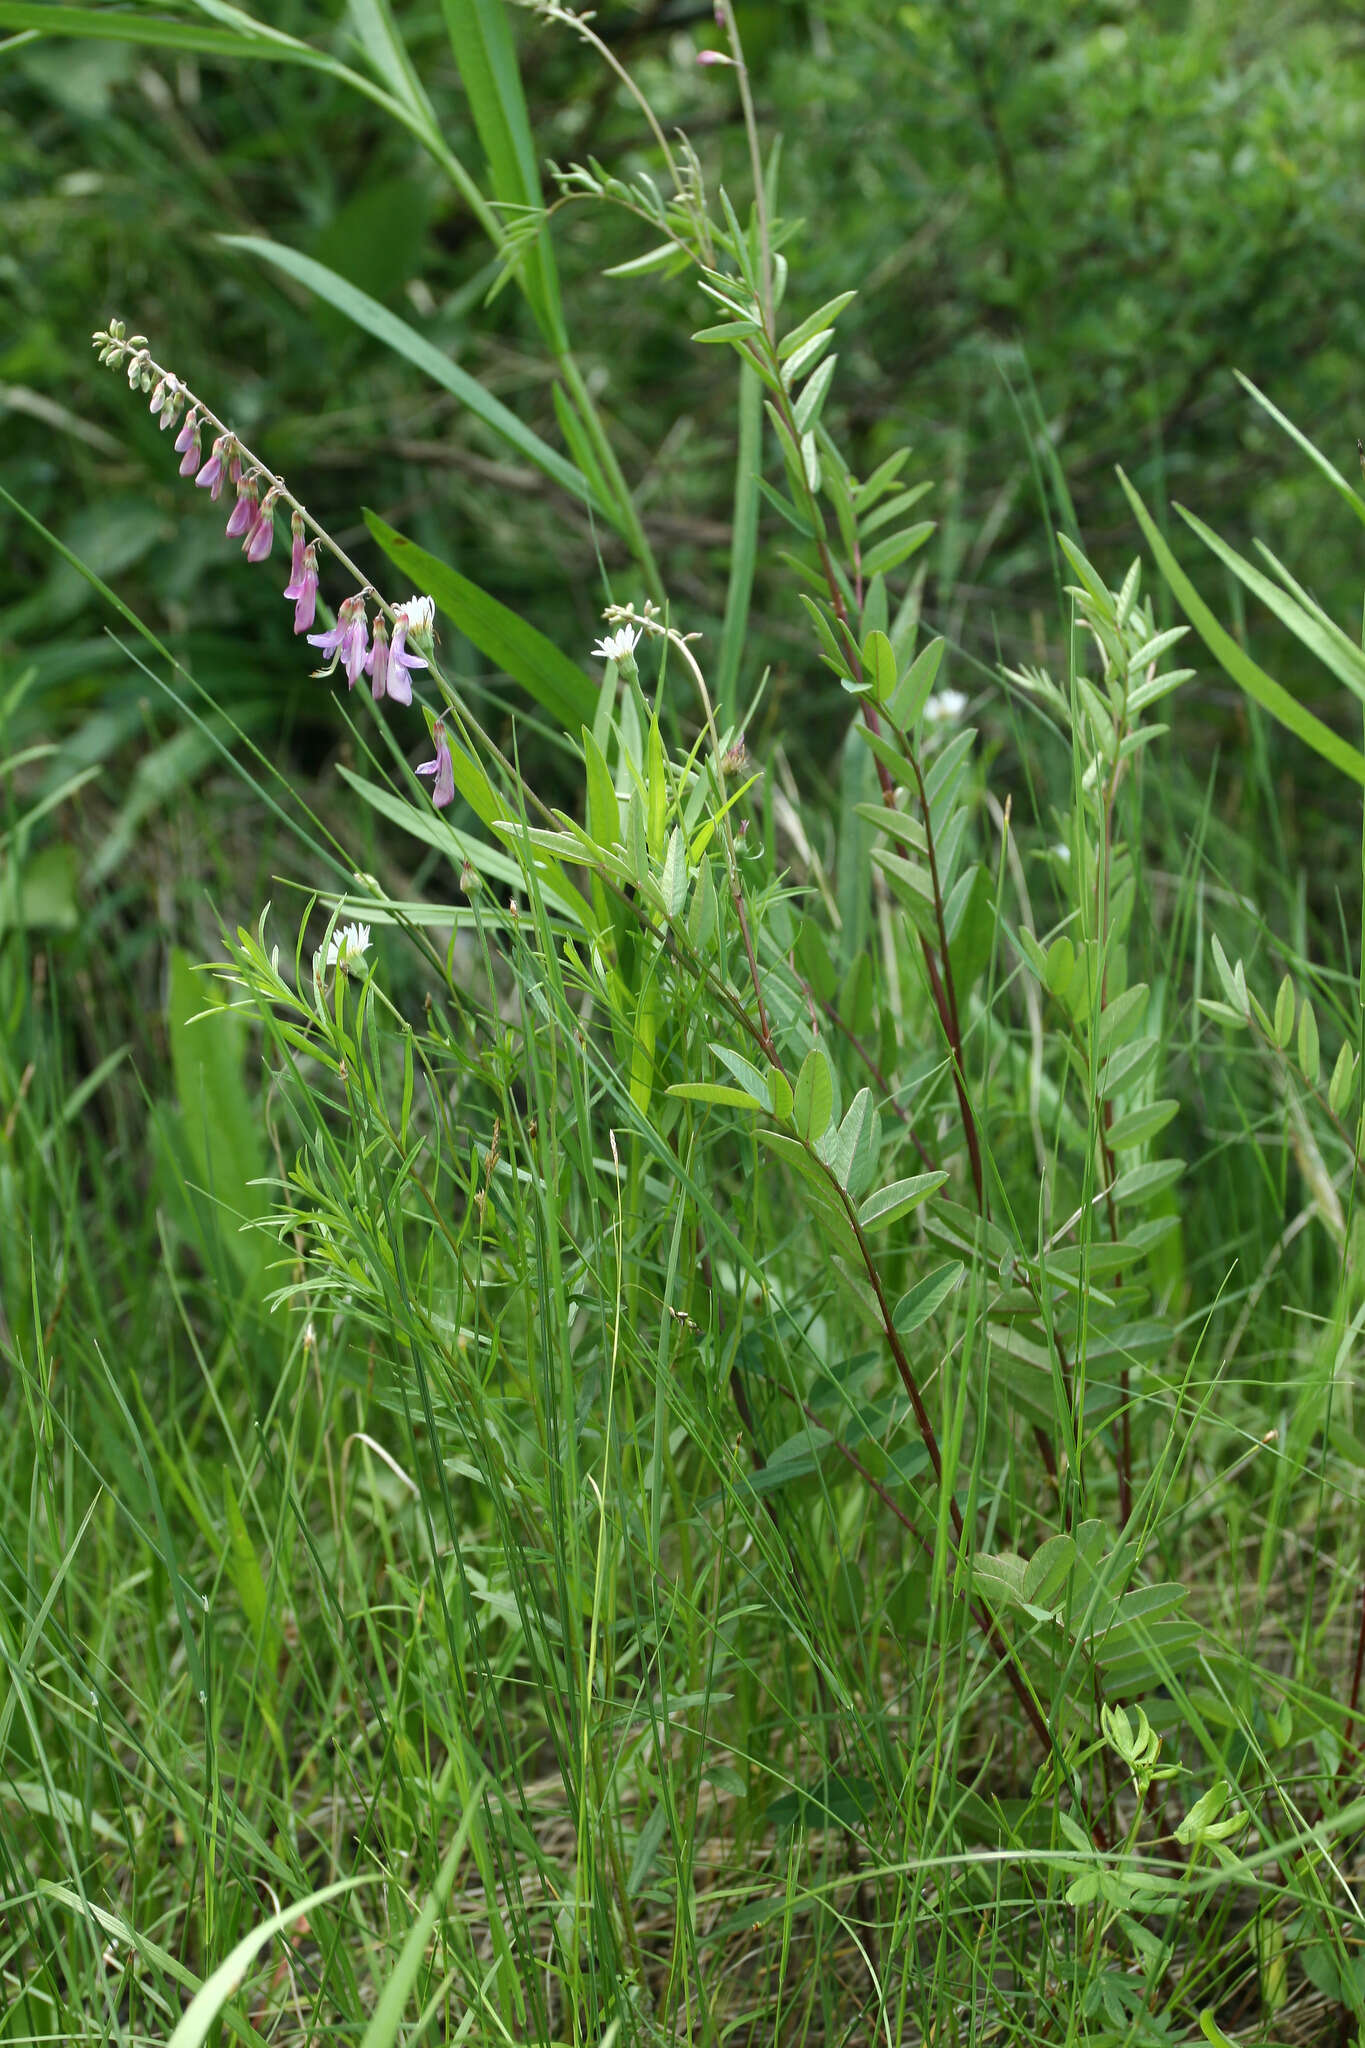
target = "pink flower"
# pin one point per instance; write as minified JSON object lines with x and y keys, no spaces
{"x":296,"y":549}
{"x":443,"y":768}
{"x":187,"y":443}
{"x":347,"y":641}
{"x":210,"y":477}
{"x":390,"y":668}
{"x":303,"y":581}
{"x":245,"y":513}
{"x":377,"y":661}
{"x":261,"y":538}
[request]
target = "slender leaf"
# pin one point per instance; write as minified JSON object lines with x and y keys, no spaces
{"x":367,"y":313}
{"x":1260,"y":687}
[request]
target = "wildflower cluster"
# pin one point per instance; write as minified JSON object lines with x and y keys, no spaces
{"x":387,"y":651}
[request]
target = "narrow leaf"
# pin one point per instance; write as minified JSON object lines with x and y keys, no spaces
{"x":367,"y":313}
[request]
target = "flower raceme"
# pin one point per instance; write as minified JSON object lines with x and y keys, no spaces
{"x":400,"y":632}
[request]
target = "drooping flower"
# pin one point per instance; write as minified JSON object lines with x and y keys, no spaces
{"x":442,"y":768}
{"x":347,"y":641}
{"x":187,"y":442}
{"x":244,"y":514}
{"x":391,"y":667}
{"x":296,"y":530}
{"x":259,"y":541}
{"x":619,"y":646}
{"x":377,"y":660}
{"x":167,"y":389}
{"x":210,"y":477}
{"x":348,"y":945}
{"x":303,"y":580}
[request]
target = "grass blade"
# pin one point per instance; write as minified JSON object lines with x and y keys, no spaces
{"x":197,"y":2021}
{"x":481,"y":38}
{"x":1301,"y":440}
{"x":405,"y":341}
{"x":387,"y":2018}
{"x":1263,"y":689}
{"x":1323,"y":639}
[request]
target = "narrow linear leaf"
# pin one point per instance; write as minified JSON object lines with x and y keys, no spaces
{"x":1260,"y":687}
{"x":197,"y":2021}
{"x":367,"y":313}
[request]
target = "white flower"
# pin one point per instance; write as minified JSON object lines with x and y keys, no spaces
{"x":418,"y":612}
{"x":945,"y":708}
{"x":618,"y":646}
{"x":347,"y":945}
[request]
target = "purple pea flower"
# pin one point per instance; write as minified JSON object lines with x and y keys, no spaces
{"x":187,"y":443}
{"x":347,"y":641}
{"x":377,"y":660}
{"x":210,"y":477}
{"x":443,"y":768}
{"x":244,"y":514}
{"x":296,"y":547}
{"x":303,"y":581}
{"x":390,"y":667}
{"x":259,"y":541}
